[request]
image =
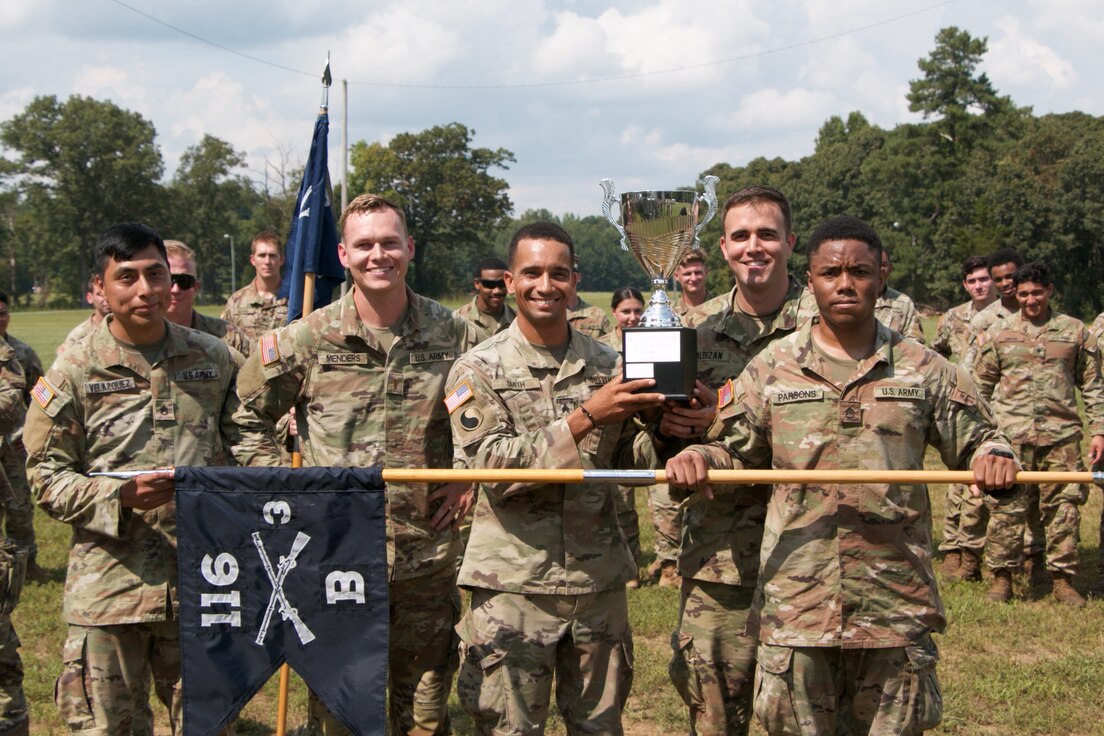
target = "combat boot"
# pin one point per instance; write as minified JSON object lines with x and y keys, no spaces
{"x":35,"y":574}
{"x":970,"y":569}
{"x":951,"y":562}
{"x":1038,"y":579}
{"x":1000,"y":590}
{"x":1065,"y":593}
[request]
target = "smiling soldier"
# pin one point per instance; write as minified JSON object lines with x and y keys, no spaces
{"x":488,"y":311}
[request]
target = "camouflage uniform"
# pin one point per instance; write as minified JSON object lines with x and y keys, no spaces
{"x":253,"y":314}
{"x":980,"y":326}
{"x":78,"y":333}
{"x":846,"y":593}
{"x":679,"y":305}
{"x":625,"y":496}
{"x":547,"y":564}
{"x":714,"y":651}
{"x":897,"y":312}
{"x":967,"y":516}
{"x":19,"y":510}
{"x":221,"y":329}
{"x":485,"y":325}
{"x":590,"y":320}
{"x":13,"y":704}
{"x":360,"y":405}
{"x":1030,"y":373}
{"x":102,"y":407}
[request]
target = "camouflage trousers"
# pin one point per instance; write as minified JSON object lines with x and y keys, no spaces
{"x":13,"y":705}
{"x":18,"y":512}
{"x":667,"y":518}
{"x":1050,"y":511}
{"x":624,"y":500}
{"x":812,"y":691}
{"x":965,"y":522}
{"x":421,"y":659}
{"x":104,"y":686}
{"x":714,"y":657}
{"x":512,"y":645}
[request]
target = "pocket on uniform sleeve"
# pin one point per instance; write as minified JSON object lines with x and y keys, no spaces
{"x":71,"y":687}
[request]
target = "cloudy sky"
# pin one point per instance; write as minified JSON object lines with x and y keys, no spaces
{"x":649,"y":93}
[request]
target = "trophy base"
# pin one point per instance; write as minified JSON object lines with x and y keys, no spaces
{"x":667,"y":354}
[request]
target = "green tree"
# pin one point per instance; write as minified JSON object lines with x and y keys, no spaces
{"x":452,"y":203}
{"x":207,"y":201}
{"x":80,"y":166}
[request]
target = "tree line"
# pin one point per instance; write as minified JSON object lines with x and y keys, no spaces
{"x":978,"y":173}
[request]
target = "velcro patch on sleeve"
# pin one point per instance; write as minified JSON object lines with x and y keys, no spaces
{"x":459,"y":396}
{"x":725,"y":394}
{"x":270,"y":350}
{"x":43,"y":392}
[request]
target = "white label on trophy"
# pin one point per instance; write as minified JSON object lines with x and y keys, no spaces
{"x":634,"y":371}
{"x":660,"y":346}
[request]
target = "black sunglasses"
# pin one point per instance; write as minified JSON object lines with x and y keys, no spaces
{"x":488,"y":284}
{"x":184,"y":281}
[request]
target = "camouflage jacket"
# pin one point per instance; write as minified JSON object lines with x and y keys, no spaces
{"x":1097,"y":328}
{"x":679,"y":305}
{"x":29,"y":361}
{"x":981,"y":325}
{"x":952,"y":336}
{"x":77,"y":334}
{"x":1029,"y":373}
{"x":13,"y":385}
{"x":545,"y":539}
{"x":357,"y":405}
{"x":849,"y":565}
{"x":253,"y":314}
{"x":897,"y":312}
{"x":485,"y":325}
{"x":720,"y":538}
{"x":589,"y":320}
{"x":99,"y":408}
{"x":221,"y":329}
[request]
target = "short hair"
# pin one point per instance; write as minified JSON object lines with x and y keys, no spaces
{"x":693,"y":256}
{"x":490,"y":263}
{"x":91,"y":287}
{"x":120,"y":243}
{"x":625,"y":292}
{"x":179,"y":249}
{"x":972,"y":264}
{"x":1003,"y":256}
{"x":266,"y":236}
{"x":366,"y":203}
{"x":757,"y":196}
{"x":1033,"y":273}
{"x":844,"y":227}
{"x":541,"y":230}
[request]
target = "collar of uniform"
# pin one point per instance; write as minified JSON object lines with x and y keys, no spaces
{"x":808,"y":357}
{"x":583,"y":304}
{"x":573,"y":362}
{"x":732,"y":324}
{"x":1017,"y":323}
{"x":107,"y":348}
{"x":352,"y":326}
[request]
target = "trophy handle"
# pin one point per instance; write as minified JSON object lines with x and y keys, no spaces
{"x":610,"y":199}
{"x":710,"y":198}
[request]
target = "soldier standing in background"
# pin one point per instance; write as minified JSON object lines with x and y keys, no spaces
{"x":366,"y":376}
{"x":18,"y":510}
{"x":690,"y":275}
{"x":586,"y":318}
{"x":1002,"y":265}
{"x":896,"y":310}
{"x":843,"y":650}
{"x":256,"y":308}
{"x":966,"y":515}
{"x":713,"y":662}
{"x":488,"y":311}
{"x":100,"y":309}
{"x":185,"y":286}
{"x":137,"y":393}
{"x":546,"y":563}
{"x":1029,"y":367}
{"x":13,"y":703}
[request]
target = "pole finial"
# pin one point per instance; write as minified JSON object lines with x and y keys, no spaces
{"x":327,"y":80}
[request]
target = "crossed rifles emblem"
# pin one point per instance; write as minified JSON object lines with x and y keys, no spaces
{"x":276,"y":577}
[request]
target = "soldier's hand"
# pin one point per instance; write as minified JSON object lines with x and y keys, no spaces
{"x":617,"y":401}
{"x":458,"y":501}
{"x":1096,"y":449}
{"x":993,"y":472}
{"x":689,"y":470}
{"x":689,"y":420}
{"x":147,"y":491}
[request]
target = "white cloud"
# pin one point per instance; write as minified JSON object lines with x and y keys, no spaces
{"x":1019,"y":59}
{"x":398,"y":45}
{"x":771,"y":109}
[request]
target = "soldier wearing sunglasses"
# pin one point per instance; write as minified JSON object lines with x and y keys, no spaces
{"x":185,"y":286}
{"x":488,"y":311}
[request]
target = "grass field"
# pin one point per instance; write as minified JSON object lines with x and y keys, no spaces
{"x":1031,"y":667}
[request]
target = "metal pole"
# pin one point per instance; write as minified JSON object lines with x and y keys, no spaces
{"x":344,"y":144}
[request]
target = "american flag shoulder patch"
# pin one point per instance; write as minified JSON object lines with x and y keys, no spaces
{"x":270,"y":351}
{"x":43,"y":393}
{"x":458,"y":397}
{"x":724,"y":394}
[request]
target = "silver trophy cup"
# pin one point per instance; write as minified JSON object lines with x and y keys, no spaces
{"x":658,"y":228}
